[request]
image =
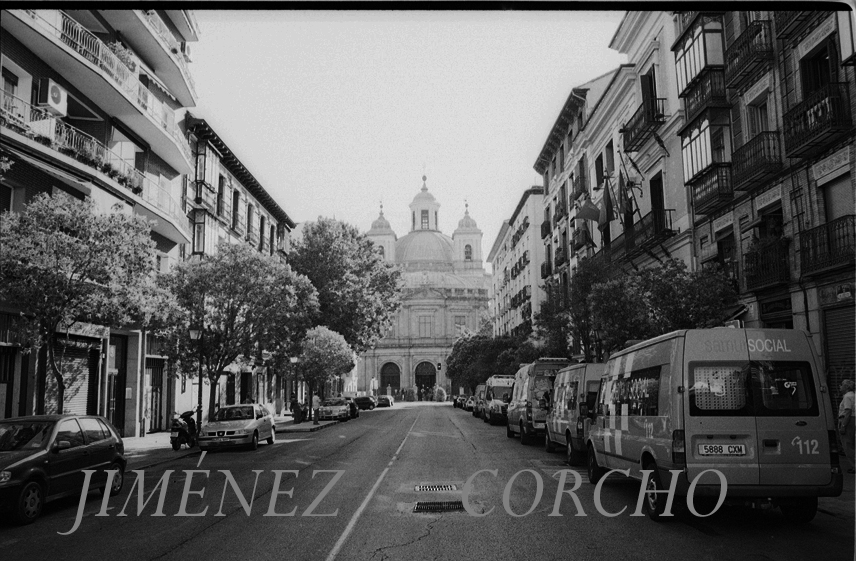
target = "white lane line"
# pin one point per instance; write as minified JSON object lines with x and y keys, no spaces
{"x":353,"y":522}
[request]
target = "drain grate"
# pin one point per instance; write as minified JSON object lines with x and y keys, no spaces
{"x":438,"y":506}
{"x":435,"y":488}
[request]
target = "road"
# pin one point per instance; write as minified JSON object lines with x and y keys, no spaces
{"x":377,"y":461}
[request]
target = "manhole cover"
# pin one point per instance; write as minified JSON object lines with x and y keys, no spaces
{"x":438,"y":506}
{"x":435,"y":488}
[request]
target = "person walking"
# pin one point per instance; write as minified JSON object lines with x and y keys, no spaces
{"x":316,"y":405}
{"x":847,"y":422}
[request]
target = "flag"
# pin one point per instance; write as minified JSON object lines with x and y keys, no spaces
{"x":588,"y":211}
{"x":605,"y":208}
{"x":622,"y":195}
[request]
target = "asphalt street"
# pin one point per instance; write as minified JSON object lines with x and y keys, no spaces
{"x":350,"y":491}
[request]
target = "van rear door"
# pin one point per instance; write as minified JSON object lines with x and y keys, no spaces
{"x":793,"y":442}
{"x":719,"y":422}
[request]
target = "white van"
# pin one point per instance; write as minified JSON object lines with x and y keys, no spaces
{"x":533,"y":385}
{"x":497,"y":395}
{"x":749,"y":403}
{"x":574,"y":395}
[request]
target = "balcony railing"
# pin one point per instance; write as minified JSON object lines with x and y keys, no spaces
{"x":546,"y":270}
{"x":828,"y":246}
{"x":579,"y":239}
{"x":580,"y":186}
{"x":561,"y":258}
{"x":787,"y":21}
{"x":653,"y":228}
{"x":758,"y":159}
{"x":99,"y":54}
{"x":748,"y":53}
{"x":644,"y":123}
{"x":172,"y":45}
{"x":46,"y":129}
{"x":559,"y":213}
{"x":546,"y":228}
{"x":708,"y":91}
{"x":767,"y":265}
{"x":712,"y":188}
{"x":821,"y":118}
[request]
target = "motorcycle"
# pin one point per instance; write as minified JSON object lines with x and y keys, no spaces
{"x":183,"y":430}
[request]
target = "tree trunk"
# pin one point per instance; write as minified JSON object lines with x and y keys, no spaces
{"x":60,"y":383}
{"x":212,"y":394}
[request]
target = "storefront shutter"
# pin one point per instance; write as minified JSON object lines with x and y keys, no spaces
{"x":839,"y":326}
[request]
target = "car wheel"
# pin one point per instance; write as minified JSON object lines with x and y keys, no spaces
{"x":574,"y":457}
{"x":118,"y":480}
{"x":254,"y":444}
{"x":508,"y":432}
{"x":595,"y":472}
{"x":548,"y":444}
{"x":524,"y":436}
{"x":30,"y":503}
{"x":801,"y":510}
{"x":490,"y":419}
{"x":484,"y":416}
{"x":371,"y":407}
{"x":655,"y":502}
{"x":272,"y":438}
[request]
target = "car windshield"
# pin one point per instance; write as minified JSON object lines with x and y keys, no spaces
{"x":332,"y":402}
{"x":234,"y":413}
{"x":24,"y":435}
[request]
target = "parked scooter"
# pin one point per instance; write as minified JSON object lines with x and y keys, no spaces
{"x":183,"y":430}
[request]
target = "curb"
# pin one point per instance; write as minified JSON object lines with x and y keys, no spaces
{"x":161,"y":461}
{"x":311,"y":428}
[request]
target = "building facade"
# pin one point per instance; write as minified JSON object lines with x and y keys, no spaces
{"x":516,"y":258}
{"x":93,"y":106}
{"x":445,"y":292}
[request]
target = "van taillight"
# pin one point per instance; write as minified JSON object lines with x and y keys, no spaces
{"x":833,"y":449}
{"x":679,"y":449}
{"x":529,"y":408}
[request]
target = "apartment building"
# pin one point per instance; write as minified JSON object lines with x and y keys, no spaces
{"x":516,"y":258}
{"x":92,"y":106}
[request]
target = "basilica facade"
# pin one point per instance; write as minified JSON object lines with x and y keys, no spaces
{"x":445,"y":292}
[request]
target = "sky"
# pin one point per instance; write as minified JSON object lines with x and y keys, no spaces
{"x":335,"y":112}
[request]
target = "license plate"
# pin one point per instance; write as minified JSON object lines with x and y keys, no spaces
{"x":222,"y":440}
{"x":539,"y":425}
{"x":722,"y":449}
{"x":174,"y":434}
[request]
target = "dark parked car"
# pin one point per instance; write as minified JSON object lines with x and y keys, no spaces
{"x":385,"y":401}
{"x":42,"y":458}
{"x":354,"y":408}
{"x":365,"y":402}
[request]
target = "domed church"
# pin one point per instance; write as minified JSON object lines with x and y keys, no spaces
{"x":445,"y":292}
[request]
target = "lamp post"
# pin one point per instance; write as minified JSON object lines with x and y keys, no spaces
{"x":196,"y":334}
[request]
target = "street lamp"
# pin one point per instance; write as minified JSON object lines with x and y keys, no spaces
{"x":196,"y":335}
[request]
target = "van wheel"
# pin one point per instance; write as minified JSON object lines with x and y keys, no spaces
{"x":524,"y":436}
{"x":484,"y":416}
{"x":508,"y":432}
{"x":548,"y":444}
{"x":595,"y":472}
{"x":655,"y":503}
{"x":801,"y":510}
{"x":574,"y":457}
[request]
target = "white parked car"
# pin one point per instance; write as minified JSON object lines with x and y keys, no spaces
{"x":236,"y":425}
{"x":335,"y":409}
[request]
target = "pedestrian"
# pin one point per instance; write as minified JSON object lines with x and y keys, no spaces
{"x":847,"y":422}
{"x":316,"y":405}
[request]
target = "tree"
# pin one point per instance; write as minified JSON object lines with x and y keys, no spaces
{"x":475,"y":358}
{"x":552,"y":321}
{"x":657,"y":300}
{"x":62,"y":262}
{"x":588,"y":273}
{"x":358,"y":292}
{"x":246,"y":302}
{"x":325,"y":354}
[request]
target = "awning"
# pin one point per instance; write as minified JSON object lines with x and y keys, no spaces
{"x":752,"y":224}
{"x":724,"y":233}
{"x":734,"y":312}
{"x":66,"y":177}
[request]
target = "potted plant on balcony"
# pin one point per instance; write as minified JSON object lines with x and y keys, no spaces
{"x":124,"y":54}
{"x":42,"y":139}
{"x":67,"y":150}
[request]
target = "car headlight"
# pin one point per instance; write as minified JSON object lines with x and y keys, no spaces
{"x":242,"y":431}
{"x":5,"y":476}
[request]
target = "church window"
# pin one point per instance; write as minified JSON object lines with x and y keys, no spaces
{"x":426,"y":326}
{"x":424,"y":219}
{"x":381,"y":251}
{"x":460,"y":324}
{"x":468,"y":252}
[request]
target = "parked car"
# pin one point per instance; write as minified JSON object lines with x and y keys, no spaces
{"x":334,"y":409}
{"x":42,"y":458}
{"x":385,"y":401}
{"x":533,"y":385}
{"x":365,"y":402}
{"x":461,"y":401}
{"x":751,"y":404}
{"x":236,"y":425}
{"x":469,"y":403}
{"x":353,"y":407}
{"x":497,"y":396}
{"x":478,"y":403}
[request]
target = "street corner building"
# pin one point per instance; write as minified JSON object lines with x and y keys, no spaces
{"x":445,"y":293}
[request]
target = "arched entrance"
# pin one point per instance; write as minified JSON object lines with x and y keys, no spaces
{"x":390,"y":376}
{"x":426,"y":375}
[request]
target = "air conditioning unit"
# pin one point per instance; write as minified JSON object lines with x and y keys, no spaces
{"x":53,"y":97}
{"x":185,"y":50}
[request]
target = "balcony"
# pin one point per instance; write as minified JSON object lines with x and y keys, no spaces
{"x":823,"y":117}
{"x":561,"y":257}
{"x":580,"y":239}
{"x":100,"y":75}
{"x":788,"y":21}
{"x":617,"y":247}
{"x":644,"y":123}
{"x":767,"y":265}
{"x":749,"y":52}
{"x":652,"y":229}
{"x":757,"y":160}
{"x":546,"y":270}
{"x":36,"y":125}
{"x":828,"y":246}
{"x":580,"y":187}
{"x":559,"y":213}
{"x":712,"y":188}
{"x":708,"y":91}
{"x":546,"y":228}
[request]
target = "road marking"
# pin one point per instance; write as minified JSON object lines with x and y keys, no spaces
{"x":353,"y":522}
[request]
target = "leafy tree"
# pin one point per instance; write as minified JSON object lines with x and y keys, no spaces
{"x":439,"y":394}
{"x":324,"y":355}
{"x":657,"y":300}
{"x":358,"y":292}
{"x":62,"y":262}
{"x":475,"y":358}
{"x":247,"y":303}
{"x":587,"y":273}
{"x":552,"y":321}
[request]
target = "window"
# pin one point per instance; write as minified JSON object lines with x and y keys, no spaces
{"x":700,"y":49}
{"x":648,"y":82}
{"x":598,"y":171}
{"x":221,"y":192}
{"x":426,"y":326}
{"x":610,"y":159}
{"x":236,"y":202}
{"x":92,"y":429}
{"x":468,"y":252}
{"x":5,"y":199}
{"x":819,"y":69}
{"x":424,"y":219}
{"x":250,"y":215}
{"x":704,"y":145}
{"x":69,"y":431}
{"x":123,"y":152}
{"x":262,"y":233}
{"x":759,"y":120}
{"x":637,"y":394}
{"x":272,"y":238}
{"x":460,"y":323}
{"x":381,"y":251}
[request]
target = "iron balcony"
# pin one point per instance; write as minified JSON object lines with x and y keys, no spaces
{"x":767,"y":265}
{"x":828,"y":246}
{"x":823,"y":117}
{"x":757,"y":160}
{"x":745,"y":57}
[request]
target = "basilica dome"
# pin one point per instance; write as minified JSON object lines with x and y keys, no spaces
{"x":424,"y":247}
